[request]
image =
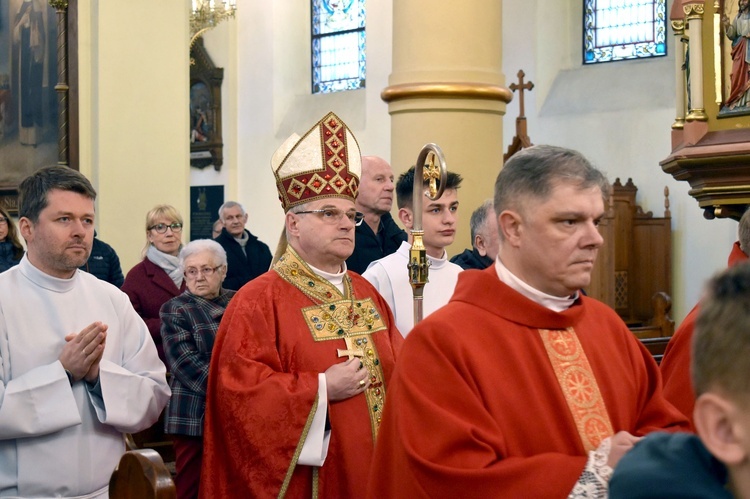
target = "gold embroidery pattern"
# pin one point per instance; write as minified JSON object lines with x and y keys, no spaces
{"x":578,"y":385}
{"x":343,"y":319}
{"x":339,"y":316}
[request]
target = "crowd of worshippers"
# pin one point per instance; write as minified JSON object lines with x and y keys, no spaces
{"x":303,"y":373}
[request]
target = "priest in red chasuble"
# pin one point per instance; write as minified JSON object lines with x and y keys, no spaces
{"x":304,"y":353}
{"x":675,"y":365}
{"x":521,"y":386}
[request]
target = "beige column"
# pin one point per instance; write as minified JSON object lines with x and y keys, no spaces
{"x":447,"y":87}
{"x":134,"y":94}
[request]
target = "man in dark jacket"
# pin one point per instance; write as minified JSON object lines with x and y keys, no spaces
{"x":484,"y":239}
{"x":379,"y":235}
{"x":247,"y":257}
{"x":104,"y":263}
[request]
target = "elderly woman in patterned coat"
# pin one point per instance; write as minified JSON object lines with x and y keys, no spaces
{"x":189,"y":325}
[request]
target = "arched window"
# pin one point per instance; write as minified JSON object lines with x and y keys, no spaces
{"x":615,"y":30}
{"x":338,"y":45}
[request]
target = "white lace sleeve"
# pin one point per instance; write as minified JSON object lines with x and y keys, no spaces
{"x":594,"y":481}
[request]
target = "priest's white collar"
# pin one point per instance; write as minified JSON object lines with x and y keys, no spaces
{"x":554,"y":303}
{"x":336,"y":279}
{"x":45,"y":280}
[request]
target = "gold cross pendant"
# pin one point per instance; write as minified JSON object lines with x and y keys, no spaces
{"x":351,"y":353}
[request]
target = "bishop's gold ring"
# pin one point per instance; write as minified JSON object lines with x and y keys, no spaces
{"x":362,"y":383}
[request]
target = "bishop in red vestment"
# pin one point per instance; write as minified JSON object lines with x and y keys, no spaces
{"x":520,"y":386}
{"x":304,"y":353}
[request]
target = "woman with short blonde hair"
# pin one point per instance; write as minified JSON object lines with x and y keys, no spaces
{"x":158,"y":277}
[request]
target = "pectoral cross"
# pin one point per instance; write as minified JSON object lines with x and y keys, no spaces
{"x":350,"y":353}
{"x":352,"y":350}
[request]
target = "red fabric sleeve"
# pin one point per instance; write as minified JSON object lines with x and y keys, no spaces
{"x":675,"y":368}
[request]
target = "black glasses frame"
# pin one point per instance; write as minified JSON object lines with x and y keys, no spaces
{"x":162,"y":228}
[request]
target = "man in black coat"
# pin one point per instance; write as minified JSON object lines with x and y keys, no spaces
{"x":484,"y":239}
{"x":247,"y":257}
{"x":379,"y":235}
{"x":104,"y":263}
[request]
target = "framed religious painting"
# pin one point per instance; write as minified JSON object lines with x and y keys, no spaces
{"x":206,"y":143}
{"x":38,"y":90}
{"x":734,"y":48}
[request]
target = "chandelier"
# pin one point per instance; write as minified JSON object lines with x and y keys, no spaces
{"x":206,"y":14}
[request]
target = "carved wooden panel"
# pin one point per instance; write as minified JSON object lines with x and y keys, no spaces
{"x":635,"y":263}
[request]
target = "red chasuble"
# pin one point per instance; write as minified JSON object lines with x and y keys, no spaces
{"x":475,"y":408}
{"x":276,"y":336}
{"x":675,"y":366}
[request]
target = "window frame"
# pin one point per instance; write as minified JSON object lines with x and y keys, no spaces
{"x":317,"y":88}
{"x":586,"y":32}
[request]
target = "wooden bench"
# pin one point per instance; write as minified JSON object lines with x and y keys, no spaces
{"x":141,"y":474}
{"x":153,"y":438}
{"x":656,"y":346}
{"x":661,"y":324}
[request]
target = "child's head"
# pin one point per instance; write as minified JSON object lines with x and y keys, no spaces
{"x":438,"y":217}
{"x":721,"y":367}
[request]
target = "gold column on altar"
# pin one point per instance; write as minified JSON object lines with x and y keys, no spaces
{"x":447,"y":87}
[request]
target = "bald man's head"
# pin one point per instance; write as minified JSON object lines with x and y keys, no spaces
{"x":375,"y":186}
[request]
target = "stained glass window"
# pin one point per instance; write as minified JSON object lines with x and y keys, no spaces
{"x":338,"y":45}
{"x":614,"y":30}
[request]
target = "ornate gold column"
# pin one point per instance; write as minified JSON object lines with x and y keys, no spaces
{"x":447,"y":87}
{"x":694,"y":18}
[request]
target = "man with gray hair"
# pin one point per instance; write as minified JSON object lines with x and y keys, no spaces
{"x":378,"y":235}
{"x":485,"y":240}
{"x":521,"y":386}
{"x":78,"y":367}
{"x":247,"y":256}
{"x":304,"y":354}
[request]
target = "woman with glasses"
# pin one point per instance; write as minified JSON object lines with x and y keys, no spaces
{"x":11,"y":249}
{"x":158,"y":277}
{"x":189,"y":325}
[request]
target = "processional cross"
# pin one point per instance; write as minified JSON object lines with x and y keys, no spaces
{"x":521,"y":140}
{"x":521,"y":86}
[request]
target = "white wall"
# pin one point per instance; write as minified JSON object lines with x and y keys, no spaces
{"x":617,"y":114}
{"x":266,"y":94}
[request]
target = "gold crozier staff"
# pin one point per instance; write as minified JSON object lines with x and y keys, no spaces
{"x":436,"y":175}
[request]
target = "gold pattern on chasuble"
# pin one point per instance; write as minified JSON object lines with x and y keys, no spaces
{"x":578,"y":385}
{"x":338,"y":316}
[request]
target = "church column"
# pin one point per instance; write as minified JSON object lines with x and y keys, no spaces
{"x":694,"y":18}
{"x":447,"y":87}
{"x":134,"y":116}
